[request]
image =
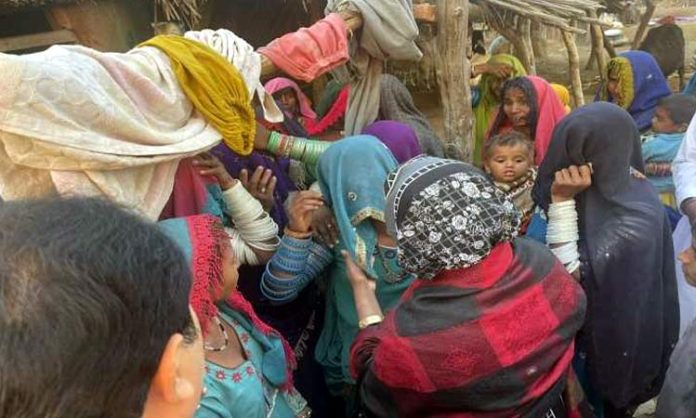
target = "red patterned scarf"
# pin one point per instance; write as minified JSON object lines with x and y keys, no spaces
{"x":492,"y":340}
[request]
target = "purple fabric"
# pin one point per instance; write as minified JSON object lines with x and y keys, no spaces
{"x":400,"y":138}
{"x":235,"y":163}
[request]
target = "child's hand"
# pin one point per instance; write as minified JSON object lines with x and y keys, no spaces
{"x":211,"y":166}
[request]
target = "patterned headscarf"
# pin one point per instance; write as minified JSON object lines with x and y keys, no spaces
{"x":446,"y":215}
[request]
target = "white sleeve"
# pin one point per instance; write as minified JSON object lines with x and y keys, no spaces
{"x":684,"y":166}
{"x":253,"y":228}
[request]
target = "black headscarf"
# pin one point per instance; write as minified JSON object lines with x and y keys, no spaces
{"x":626,"y":253}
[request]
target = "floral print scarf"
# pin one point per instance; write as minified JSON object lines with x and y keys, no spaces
{"x":446,"y":215}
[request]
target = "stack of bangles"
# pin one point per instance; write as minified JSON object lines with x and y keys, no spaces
{"x":300,"y":149}
{"x":300,"y":263}
{"x":253,"y":226}
{"x":562,"y":234}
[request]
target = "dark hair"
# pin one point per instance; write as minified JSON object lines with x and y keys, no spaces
{"x":89,"y":297}
{"x":679,"y":107}
{"x":523,"y":84}
{"x":509,"y":139}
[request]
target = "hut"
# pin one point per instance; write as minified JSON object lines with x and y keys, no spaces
{"x":106,"y":25}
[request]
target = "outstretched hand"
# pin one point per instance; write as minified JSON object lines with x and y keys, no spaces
{"x":210,"y":165}
{"x":261,"y":185}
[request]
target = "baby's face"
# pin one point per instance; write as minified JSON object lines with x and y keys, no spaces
{"x":508,"y":163}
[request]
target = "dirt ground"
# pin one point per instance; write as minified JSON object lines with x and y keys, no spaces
{"x":554,"y":66}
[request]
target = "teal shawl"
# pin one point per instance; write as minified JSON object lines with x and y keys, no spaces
{"x":352,"y":173}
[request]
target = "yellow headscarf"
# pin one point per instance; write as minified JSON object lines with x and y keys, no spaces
{"x":215,"y":88}
{"x":620,"y":68}
{"x":563,"y":94}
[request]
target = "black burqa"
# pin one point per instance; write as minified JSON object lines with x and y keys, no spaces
{"x":632,"y":322}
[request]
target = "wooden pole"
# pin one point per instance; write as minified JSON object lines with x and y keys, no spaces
{"x":597,"y":35}
{"x":453,"y":73}
{"x":525,"y":26}
{"x":608,"y":46}
{"x":644,"y":21}
{"x":574,"y":68}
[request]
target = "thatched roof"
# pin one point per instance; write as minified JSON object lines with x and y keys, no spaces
{"x":558,"y":13}
{"x":186,"y":11}
{"x":13,"y":6}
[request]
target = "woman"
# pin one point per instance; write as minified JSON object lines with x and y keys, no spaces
{"x":531,"y":107}
{"x":488,"y":329}
{"x":248,"y":364}
{"x":635,"y":83}
{"x":293,"y":101}
{"x":396,"y":103}
{"x":487,"y":98}
{"x":351,"y":176}
{"x":618,"y":242}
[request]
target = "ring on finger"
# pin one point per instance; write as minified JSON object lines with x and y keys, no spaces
{"x":263,"y":190}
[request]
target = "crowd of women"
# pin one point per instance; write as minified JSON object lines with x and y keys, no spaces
{"x":375,"y":274}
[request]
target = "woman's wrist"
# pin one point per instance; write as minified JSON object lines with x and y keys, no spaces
{"x":227,"y":183}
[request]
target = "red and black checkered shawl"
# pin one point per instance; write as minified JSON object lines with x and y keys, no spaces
{"x":492,"y":340}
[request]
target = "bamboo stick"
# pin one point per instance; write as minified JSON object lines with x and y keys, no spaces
{"x":574,"y":68}
{"x":644,"y":20}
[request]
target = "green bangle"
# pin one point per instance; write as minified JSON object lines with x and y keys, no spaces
{"x":273,"y":142}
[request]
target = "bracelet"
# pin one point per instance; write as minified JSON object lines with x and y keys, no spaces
{"x":273,"y":142}
{"x":297,"y":235}
{"x":370,"y":320}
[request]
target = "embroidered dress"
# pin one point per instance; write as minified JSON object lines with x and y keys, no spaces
{"x":243,"y":391}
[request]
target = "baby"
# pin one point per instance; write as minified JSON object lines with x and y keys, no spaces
{"x":509,"y":160}
{"x":672,"y":117}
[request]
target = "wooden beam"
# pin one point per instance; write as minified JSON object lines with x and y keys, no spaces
{"x":453,"y":77}
{"x":598,"y":46}
{"x":644,"y":21}
{"x":574,"y":68}
{"x":37,"y":40}
{"x":424,"y":13}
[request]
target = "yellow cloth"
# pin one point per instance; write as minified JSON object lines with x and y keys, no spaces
{"x":563,"y":94}
{"x":620,"y":69}
{"x":668,"y":199}
{"x":214,"y":86}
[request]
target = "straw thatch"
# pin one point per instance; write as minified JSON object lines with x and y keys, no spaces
{"x":186,"y":11}
{"x":558,"y":13}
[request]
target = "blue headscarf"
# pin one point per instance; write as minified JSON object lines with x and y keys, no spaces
{"x":646,"y":81}
{"x":352,"y":173}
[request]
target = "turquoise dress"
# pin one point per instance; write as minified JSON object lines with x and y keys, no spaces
{"x":352,"y":174}
{"x":243,"y":391}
